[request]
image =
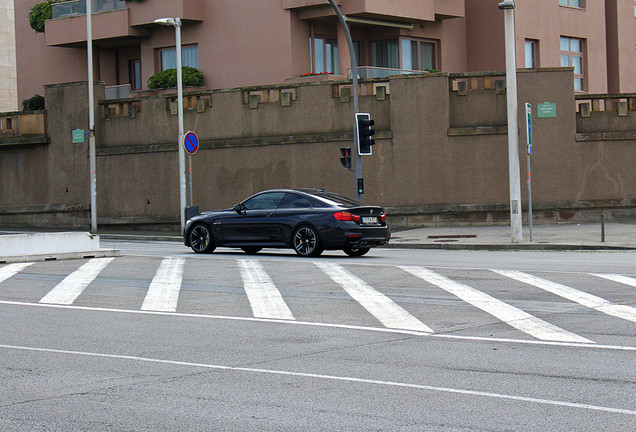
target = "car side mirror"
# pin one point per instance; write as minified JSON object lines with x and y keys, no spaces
{"x":240,"y":208}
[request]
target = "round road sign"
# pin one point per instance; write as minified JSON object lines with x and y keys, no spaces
{"x":191,"y":142}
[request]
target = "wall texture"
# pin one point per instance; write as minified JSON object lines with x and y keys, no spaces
{"x":440,"y":157}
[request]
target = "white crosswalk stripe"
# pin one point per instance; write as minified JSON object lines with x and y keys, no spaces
{"x":74,"y":284}
{"x":507,"y":313}
{"x":580,"y":297}
{"x":625,"y":280}
{"x":265,"y":299}
{"x":11,"y":269}
{"x":389,"y":313}
{"x":163,"y":293}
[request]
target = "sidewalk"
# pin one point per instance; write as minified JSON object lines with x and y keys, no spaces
{"x":618,"y":236}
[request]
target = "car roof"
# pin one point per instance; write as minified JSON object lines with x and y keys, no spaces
{"x":322,"y":194}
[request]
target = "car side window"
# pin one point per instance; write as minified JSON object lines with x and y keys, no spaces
{"x":264,"y":201}
{"x":291,"y":200}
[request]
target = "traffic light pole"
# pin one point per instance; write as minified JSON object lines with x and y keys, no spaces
{"x":354,"y":74}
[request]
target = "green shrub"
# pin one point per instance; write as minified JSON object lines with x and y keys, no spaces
{"x":40,"y":13}
{"x":33,"y":104}
{"x":168,"y":78}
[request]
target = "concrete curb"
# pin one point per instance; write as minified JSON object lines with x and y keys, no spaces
{"x":102,"y":253}
{"x":509,"y":247}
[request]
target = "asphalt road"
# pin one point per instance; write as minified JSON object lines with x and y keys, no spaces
{"x":162,"y":339}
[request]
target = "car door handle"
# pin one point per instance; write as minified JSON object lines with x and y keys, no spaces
{"x":269,"y":214}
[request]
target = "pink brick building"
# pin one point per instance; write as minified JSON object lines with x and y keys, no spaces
{"x":252,"y":42}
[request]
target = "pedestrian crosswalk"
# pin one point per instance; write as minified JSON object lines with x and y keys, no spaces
{"x":406,"y":298}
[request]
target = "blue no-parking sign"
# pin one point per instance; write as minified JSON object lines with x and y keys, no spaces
{"x":191,"y":142}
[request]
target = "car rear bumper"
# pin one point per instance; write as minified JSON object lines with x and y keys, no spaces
{"x":356,"y":236}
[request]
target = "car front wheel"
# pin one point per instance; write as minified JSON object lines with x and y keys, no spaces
{"x":201,"y":240}
{"x":306,"y":242}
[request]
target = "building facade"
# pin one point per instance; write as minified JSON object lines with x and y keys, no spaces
{"x":255,"y":42}
{"x":8,"y":74}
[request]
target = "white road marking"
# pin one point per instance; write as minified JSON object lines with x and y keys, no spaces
{"x":11,"y":269}
{"x":389,"y":313}
{"x":74,"y":284}
{"x":328,"y":325}
{"x":509,"y":314}
{"x":163,"y":293}
{"x":346,"y":379}
{"x":264,"y":297}
{"x":625,"y":280}
{"x":580,"y":297}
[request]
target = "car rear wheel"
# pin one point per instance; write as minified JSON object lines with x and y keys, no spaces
{"x":251,"y":250}
{"x":201,"y":240}
{"x":306,"y":242}
{"x":355,"y":251}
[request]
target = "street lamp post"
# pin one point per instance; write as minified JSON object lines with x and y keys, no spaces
{"x":357,"y":160}
{"x":176,"y":23}
{"x":513,"y":122}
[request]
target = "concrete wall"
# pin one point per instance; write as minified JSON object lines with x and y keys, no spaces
{"x":440,"y":158}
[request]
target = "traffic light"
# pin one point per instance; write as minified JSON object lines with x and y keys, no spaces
{"x":345,"y":160}
{"x":360,"y":186}
{"x":364,"y":133}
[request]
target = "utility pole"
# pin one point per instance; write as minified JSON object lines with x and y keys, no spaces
{"x":91,"y":117}
{"x":513,"y":123}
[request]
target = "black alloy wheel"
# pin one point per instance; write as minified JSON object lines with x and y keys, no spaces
{"x":355,"y":251}
{"x":306,"y":242}
{"x":201,"y":240}
{"x":251,"y":250}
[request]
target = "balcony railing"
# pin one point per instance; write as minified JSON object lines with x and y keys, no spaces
{"x":380,"y":72}
{"x":121,"y":91}
{"x":78,"y":7}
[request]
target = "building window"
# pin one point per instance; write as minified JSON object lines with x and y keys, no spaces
{"x":572,"y":3}
{"x":134,"y":71}
{"x":325,"y":54}
{"x":572,"y":55}
{"x":532,"y":51}
{"x":418,"y":55}
{"x":384,"y":53}
{"x":189,"y":57}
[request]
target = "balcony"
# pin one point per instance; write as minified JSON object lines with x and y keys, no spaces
{"x":78,"y":7}
{"x":115,"y":22}
{"x":409,"y":10}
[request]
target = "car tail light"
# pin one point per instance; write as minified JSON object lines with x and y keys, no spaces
{"x":346,"y":216}
{"x":383,"y":217}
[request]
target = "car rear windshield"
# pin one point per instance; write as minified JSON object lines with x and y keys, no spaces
{"x":335,"y":199}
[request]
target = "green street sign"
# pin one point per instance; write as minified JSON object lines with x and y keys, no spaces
{"x":546,"y":110}
{"x":78,"y":136}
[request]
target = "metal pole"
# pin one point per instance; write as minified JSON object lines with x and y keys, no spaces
{"x":91,"y":117}
{"x":354,"y":76}
{"x":190,"y":166}
{"x":513,"y":123}
{"x":182,"y":169}
{"x":602,"y":228}
{"x":529,"y":197}
{"x":528,"y":153}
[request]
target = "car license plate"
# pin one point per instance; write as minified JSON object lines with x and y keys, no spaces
{"x":369,"y":220}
